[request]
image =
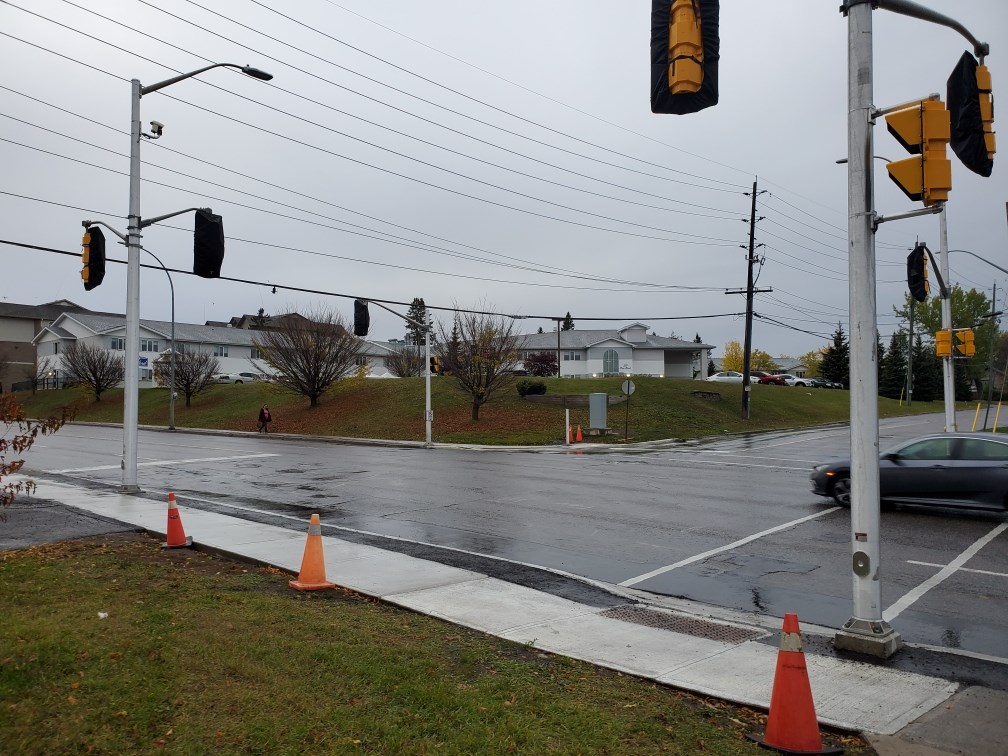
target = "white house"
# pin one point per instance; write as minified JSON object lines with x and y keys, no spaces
{"x":233,"y":347}
{"x":630,"y":350}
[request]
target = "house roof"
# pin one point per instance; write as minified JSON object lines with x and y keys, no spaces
{"x":583,"y":339}
{"x":48,"y":311}
{"x":187,"y":332}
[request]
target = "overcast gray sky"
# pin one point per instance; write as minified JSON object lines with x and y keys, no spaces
{"x":500,"y":155}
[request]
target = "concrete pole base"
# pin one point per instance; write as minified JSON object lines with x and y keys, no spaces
{"x":871,"y":638}
{"x":126,"y":489}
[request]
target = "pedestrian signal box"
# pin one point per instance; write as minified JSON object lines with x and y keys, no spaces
{"x":943,"y":344}
{"x":965,"y":345}
{"x":924,"y":130}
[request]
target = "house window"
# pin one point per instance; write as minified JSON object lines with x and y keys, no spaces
{"x":149,"y":345}
{"x":55,"y":347}
{"x":361,"y":360}
{"x":219,"y":351}
{"x":610,"y":361}
{"x":255,"y":354}
{"x":117,"y":344}
{"x":572,"y":356}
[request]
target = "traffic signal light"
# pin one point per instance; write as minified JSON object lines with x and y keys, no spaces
{"x":361,"y":318}
{"x":971,"y":107}
{"x":923,"y":130}
{"x":917,"y":273}
{"x":684,"y":55}
{"x":93,"y":257}
{"x":435,"y":365}
{"x":943,"y":344}
{"x":965,"y":342}
{"x":208,"y":244}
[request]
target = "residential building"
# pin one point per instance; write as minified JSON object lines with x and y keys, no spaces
{"x":629,"y":350}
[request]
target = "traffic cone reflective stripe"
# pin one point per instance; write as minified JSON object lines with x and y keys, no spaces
{"x":792,"y":727}
{"x":312,"y":576}
{"x":176,"y":537}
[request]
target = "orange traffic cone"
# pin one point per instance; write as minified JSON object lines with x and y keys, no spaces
{"x":579,"y":438}
{"x":570,"y":435}
{"x":176,"y":538}
{"x":312,"y":575}
{"x":792,"y":727}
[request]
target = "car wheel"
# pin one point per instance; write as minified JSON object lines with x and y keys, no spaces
{"x":800,"y":383}
{"x":239,"y":381}
{"x":841,"y":489}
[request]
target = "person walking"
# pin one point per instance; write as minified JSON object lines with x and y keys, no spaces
{"x":264,"y":419}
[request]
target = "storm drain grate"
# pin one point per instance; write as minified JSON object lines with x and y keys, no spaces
{"x":682,"y":624}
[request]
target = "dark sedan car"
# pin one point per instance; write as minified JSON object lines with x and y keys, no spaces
{"x":945,"y":469}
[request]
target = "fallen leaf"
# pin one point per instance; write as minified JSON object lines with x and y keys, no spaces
{"x":71,"y":700}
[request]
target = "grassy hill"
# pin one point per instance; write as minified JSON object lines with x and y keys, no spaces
{"x":393,"y":409}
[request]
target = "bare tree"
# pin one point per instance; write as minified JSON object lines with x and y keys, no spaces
{"x":93,"y":367}
{"x":483,"y":352}
{"x":6,"y":363}
{"x":309,"y":354}
{"x":37,"y":372}
{"x":403,"y":362}
{"x":194,"y":372}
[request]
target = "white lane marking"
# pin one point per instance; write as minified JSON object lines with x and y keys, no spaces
{"x":745,"y":464}
{"x":961,"y":569}
{"x":729,"y":547}
{"x":748,"y":455}
{"x":943,"y":574}
{"x":164,"y":462}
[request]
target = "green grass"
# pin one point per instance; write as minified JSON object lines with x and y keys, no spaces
{"x":393,"y":409}
{"x":200,"y":654}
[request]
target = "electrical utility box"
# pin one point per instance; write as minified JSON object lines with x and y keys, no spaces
{"x":598,"y":408}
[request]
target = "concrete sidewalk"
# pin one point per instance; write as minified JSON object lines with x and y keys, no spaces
{"x":709,"y":652}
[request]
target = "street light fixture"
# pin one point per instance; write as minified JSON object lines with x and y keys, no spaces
{"x":131,"y":393}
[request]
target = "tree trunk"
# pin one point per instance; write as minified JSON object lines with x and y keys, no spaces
{"x":475,"y":411}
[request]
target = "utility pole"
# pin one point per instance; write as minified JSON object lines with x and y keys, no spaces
{"x":749,"y":291}
{"x":990,"y":352}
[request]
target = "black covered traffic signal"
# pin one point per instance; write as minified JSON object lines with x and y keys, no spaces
{"x":208,"y":244}
{"x":93,"y":257}
{"x":971,"y":107}
{"x":917,"y":273}
{"x":361,"y":318}
{"x":684,"y":55}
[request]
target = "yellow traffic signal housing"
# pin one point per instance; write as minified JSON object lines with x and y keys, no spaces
{"x":965,"y":342}
{"x":435,"y":365}
{"x":943,"y":344}
{"x":923,"y":130}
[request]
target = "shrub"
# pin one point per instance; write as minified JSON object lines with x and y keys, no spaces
{"x":531,"y":387}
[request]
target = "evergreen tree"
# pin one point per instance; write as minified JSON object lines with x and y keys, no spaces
{"x":417,"y":312}
{"x":540,"y":330}
{"x":835,"y":365}
{"x":892,"y":380}
{"x":927,"y":372}
{"x":568,"y":323}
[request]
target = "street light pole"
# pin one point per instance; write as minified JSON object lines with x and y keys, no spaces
{"x":171,"y":369}
{"x":865,"y":631}
{"x":131,"y":392}
{"x":948,"y":367}
{"x":131,"y":395}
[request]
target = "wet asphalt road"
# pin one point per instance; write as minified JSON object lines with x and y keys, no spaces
{"x":729,"y":522}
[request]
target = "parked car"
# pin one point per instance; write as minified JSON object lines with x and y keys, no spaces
{"x":230,"y":378}
{"x":943,"y":469}
{"x":251,"y":377}
{"x":819,"y":383}
{"x":726,"y":376}
{"x":794,"y":380}
{"x":773,"y":380}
